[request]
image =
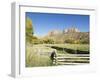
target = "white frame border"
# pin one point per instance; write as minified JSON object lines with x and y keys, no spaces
{"x":17,"y":62}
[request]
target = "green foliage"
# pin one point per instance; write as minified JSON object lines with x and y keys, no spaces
{"x":48,"y":41}
{"x":69,"y":41}
{"x":77,"y":41}
{"x":29,"y":26}
{"x":81,"y":47}
{"x":84,"y":41}
{"x":29,"y":31}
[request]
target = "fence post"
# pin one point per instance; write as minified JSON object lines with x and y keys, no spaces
{"x":54,"y":57}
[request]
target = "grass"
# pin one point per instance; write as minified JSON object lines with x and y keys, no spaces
{"x":81,"y":47}
{"x":37,"y":55}
{"x":34,"y":58}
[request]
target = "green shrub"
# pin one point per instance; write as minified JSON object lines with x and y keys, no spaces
{"x":69,"y":41}
{"x":48,"y":41}
{"x":77,"y":41}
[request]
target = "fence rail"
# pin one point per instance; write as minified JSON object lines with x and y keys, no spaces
{"x":64,"y":59}
{"x":71,"y":60}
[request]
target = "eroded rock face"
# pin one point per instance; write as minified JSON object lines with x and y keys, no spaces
{"x":71,"y":34}
{"x":73,"y":30}
{"x":54,"y":32}
{"x":69,"y":30}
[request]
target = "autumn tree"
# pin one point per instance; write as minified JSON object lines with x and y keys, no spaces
{"x":29,"y":29}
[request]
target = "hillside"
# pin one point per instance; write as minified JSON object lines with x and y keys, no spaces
{"x":71,"y":35}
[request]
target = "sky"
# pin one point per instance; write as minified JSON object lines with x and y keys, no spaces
{"x":46,"y":22}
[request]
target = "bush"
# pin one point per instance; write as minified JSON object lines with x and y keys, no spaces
{"x":49,"y":41}
{"x":77,"y":41}
{"x":84,"y":41}
{"x":69,"y":41}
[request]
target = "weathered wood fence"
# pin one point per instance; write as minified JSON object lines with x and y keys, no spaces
{"x":62,"y":59}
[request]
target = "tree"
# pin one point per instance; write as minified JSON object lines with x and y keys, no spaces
{"x":29,"y":26}
{"x":29,"y":30}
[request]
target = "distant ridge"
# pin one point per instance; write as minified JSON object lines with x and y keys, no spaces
{"x":70,"y":34}
{"x":65,"y":31}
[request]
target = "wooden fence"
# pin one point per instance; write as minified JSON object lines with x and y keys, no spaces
{"x":62,"y":59}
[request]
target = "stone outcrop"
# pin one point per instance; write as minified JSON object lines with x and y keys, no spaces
{"x":71,"y":30}
{"x":65,"y":31}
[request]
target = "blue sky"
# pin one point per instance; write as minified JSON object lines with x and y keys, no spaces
{"x":45,"y":22}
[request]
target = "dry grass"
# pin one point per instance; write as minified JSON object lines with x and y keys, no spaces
{"x":34,"y":58}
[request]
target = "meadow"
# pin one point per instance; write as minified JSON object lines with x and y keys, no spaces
{"x":39,"y":55}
